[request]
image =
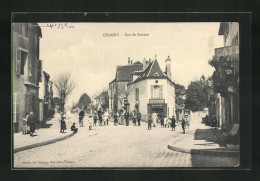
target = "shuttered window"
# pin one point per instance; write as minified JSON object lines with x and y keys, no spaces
{"x":136,"y":94}
{"x":40,"y":70}
{"x":156,"y":92}
{"x":18,"y":61}
{"x":30,"y":65}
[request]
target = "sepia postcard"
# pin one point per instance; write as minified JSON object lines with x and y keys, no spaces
{"x":125,"y":94}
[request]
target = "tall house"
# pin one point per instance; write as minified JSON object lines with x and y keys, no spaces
{"x":226,"y":76}
{"x":26,"y":71}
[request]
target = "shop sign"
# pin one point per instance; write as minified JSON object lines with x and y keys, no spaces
{"x":157,"y":105}
{"x":156,"y":101}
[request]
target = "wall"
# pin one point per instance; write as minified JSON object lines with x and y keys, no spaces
{"x":30,"y":45}
{"x":232,"y":32}
{"x":145,"y":94}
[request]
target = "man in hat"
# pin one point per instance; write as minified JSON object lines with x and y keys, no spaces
{"x":173,"y":122}
{"x":31,"y":123}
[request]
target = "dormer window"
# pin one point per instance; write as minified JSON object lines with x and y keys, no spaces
{"x":156,"y":74}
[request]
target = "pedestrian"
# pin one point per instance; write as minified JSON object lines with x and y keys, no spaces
{"x":166,"y":121}
{"x":95,"y":119}
{"x":139,"y":115}
{"x":31,"y":123}
{"x":173,"y":125}
{"x":154,"y":119}
{"x":183,"y":125}
{"x":162,"y":121}
{"x":90,"y":122}
{"x":187,"y":122}
{"x":134,"y":117}
{"x":81,"y":116}
{"x":73,"y":128}
{"x":122,"y":117}
{"x":105,"y":115}
{"x":150,"y":122}
{"x":100,"y":113}
{"x":115,"y":118}
{"x":127,"y":118}
{"x":62,"y":125}
{"x":25,"y":127}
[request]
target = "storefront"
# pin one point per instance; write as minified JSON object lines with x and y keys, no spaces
{"x":158,"y":106}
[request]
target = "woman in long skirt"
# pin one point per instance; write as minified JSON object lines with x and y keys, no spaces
{"x":62,"y":125}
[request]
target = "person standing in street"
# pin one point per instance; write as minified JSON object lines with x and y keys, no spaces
{"x":154,"y":119}
{"x":183,"y":125}
{"x":162,"y":121}
{"x":81,"y":116}
{"x":150,"y":123}
{"x":95,"y":119}
{"x":134,"y":117}
{"x":62,"y":125}
{"x":31,"y":123}
{"x":106,"y":115}
{"x":115,"y":118}
{"x":173,"y":125}
{"x":139,"y":118}
{"x":127,"y":118}
{"x":100,"y":116}
{"x":25,"y":120}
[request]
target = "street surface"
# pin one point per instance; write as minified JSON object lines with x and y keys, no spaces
{"x":117,"y":146}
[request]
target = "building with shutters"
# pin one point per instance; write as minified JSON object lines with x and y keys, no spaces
{"x":26,"y":71}
{"x":152,"y":90}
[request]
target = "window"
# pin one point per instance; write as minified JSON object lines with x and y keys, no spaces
{"x":15,"y":107}
{"x":24,"y":69}
{"x":156,"y":92}
{"x":24,"y":29}
{"x":136,"y":94}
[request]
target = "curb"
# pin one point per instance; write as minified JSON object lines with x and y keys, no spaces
{"x":15,"y":150}
{"x":229,"y":153}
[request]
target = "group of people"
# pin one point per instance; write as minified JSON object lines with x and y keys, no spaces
{"x":167,"y":122}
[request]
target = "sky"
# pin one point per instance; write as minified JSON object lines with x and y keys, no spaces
{"x":85,"y":50}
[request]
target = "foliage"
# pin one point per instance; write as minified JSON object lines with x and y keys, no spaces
{"x":64,"y":84}
{"x":179,"y":94}
{"x":104,"y":100}
{"x":224,"y":73}
{"x":84,"y":101}
{"x":198,"y":94}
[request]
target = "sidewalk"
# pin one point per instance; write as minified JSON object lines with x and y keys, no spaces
{"x":49,"y":133}
{"x":202,"y":139}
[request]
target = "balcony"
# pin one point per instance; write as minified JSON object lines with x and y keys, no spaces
{"x":227,"y":51}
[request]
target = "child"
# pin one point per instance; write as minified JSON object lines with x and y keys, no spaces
{"x":25,"y":123}
{"x":90,"y":121}
{"x":74,"y":129}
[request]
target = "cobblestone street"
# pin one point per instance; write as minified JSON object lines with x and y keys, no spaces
{"x":116,"y":146}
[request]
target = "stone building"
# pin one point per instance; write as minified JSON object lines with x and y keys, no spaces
{"x":225,"y":106}
{"x":152,"y":90}
{"x":117,"y":88}
{"x":26,"y":71}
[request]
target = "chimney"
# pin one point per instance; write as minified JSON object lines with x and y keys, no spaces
{"x":168,"y":68}
{"x":128,"y":60}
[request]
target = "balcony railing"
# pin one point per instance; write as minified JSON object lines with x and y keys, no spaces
{"x":227,"y":51}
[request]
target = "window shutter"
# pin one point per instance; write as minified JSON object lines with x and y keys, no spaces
{"x":151,"y":91}
{"x":29,"y":65}
{"x":161,"y":92}
{"x":18,"y":61}
{"x":40,"y":70}
{"x":14,"y":107}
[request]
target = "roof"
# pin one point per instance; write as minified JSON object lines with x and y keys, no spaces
{"x":153,"y":70}
{"x":124,"y":73}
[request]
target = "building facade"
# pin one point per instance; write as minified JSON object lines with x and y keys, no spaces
{"x":226,"y":77}
{"x":46,"y":104}
{"x":26,"y":71}
{"x":118,"y":93}
{"x":152,"y":90}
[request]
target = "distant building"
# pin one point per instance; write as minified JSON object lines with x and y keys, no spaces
{"x":26,"y":71}
{"x":46,"y":104}
{"x":152,"y":90}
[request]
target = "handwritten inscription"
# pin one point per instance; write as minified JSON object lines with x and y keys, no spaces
{"x":59,"y":26}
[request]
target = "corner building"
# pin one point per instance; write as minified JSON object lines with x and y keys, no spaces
{"x":152,"y":90}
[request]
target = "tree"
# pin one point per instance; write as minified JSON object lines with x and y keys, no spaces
{"x":84,"y":101}
{"x":64,"y":85}
{"x":198,"y":94}
{"x":179,"y":95}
